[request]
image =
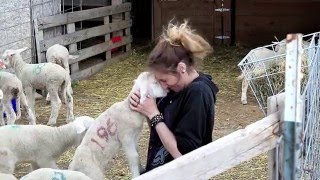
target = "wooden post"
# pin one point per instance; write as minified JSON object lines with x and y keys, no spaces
{"x":39,"y":38}
{"x":107,"y":36}
{"x":293,"y":108}
{"x":127,"y":31}
{"x":275,"y":103}
{"x":72,"y":48}
{"x":117,"y":18}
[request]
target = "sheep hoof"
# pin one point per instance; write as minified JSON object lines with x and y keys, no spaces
{"x":51,"y":123}
{"x":244,"y":102}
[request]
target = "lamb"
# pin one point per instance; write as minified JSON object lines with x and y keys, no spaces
{"x":7,"y":177}
{"x":50,"y":174}
{"x":11,"y":88}
{"x":39,"y":145}
{"x":59,"y":54}
{"x":264,"y":53}
{"x":44,"y":76}
{"x":115,"y":127}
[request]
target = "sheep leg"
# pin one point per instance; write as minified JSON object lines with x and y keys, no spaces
{"x":30,"y":116}
{"x":55,"y":106}
{"x":2,"y":123}
{"x":47,"y":163}
{"x":69,"y":102}
{"x":244,"y":91}
{"x":18,"y":107}
{"x":30,"y":95}
{"x":141,"y":168}
{"x":11,"y":115}
{"x":129,"y":146}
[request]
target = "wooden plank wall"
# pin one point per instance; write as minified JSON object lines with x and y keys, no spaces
{"x":119,"y":26}
{"x":258,"y":21}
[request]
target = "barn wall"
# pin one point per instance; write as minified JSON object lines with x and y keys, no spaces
{"x":258,"y":21}
{"x":200,"y":15}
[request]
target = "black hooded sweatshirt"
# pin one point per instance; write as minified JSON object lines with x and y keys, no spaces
{"x":189,"y":114}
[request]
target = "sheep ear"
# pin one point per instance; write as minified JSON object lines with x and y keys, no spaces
{"x":79,"y":127}
{"x":83,"y":123}
{"x":73,"y":56}
{"x":21,"y":50}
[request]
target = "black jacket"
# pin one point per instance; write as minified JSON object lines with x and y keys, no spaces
{"x":189,"y":114}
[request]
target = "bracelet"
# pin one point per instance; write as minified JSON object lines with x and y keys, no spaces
{"x":156,"y":119}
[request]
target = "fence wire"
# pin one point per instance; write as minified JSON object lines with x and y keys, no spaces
{"x":309,"y":165}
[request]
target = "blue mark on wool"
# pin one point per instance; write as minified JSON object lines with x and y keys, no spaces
{"x":58,"y":176}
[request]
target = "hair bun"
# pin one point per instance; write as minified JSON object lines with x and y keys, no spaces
{"x":182,"y":34}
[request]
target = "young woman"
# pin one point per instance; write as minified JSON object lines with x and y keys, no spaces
{"x":183,"y":120}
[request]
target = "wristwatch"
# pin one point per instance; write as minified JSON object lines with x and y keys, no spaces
{"x":156,"y":119}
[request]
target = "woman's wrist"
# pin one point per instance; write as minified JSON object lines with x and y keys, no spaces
{"x":151,"y":115}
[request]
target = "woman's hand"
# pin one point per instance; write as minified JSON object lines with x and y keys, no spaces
{"x":148,"y":107}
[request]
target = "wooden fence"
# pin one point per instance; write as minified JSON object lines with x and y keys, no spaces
{"x":117,"y":23}
{"x":226,"y":152}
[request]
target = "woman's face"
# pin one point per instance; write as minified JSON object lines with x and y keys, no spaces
{"x":170,"y":81}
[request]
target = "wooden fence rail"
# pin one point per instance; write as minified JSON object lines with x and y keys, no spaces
{"x":116,"y":23}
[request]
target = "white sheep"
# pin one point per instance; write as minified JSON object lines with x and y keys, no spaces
{"x":261,"y":67}
{"x":40,"y":145}
{"x":44,"y":76}
{"x":7,"y":177}
{"x":11,"y":88}
{"x":118,"y":126}
{"x":51,"y":174}
{"x":59,"y":54}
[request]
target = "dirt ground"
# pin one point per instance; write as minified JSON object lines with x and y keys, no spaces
{"x":92,"y":96}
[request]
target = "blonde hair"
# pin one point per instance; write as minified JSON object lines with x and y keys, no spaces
{"x":182,"y":34}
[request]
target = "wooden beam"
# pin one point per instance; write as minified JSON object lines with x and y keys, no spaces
{"x":221,"y":154}
{"x":116,"y":18}
{"x":274,"y":103}
{"x":127,"y":30}
{"x":72,"y":48}
{"x":106,"y":21}
{"x":81,"y":35}
{"x":96,"y":68}
{"x":39,"y":38}
{"x":72,"y":17}
{"x":99,"y":48}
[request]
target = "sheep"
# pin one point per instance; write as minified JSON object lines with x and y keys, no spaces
{"x":115,"y":127}
{"x":40,"y":145}
{"x":7,"y":177}
{"x":11,"y":87}
{"x":264,"y":53}
{"x":50,"y":174}
{"x":45,"y":76}
{"x":59,"y":54}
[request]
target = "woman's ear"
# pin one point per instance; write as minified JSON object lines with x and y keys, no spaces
{"x":182,"y":67}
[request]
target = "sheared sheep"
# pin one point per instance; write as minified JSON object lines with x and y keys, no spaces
{"x":40,"y":145}
{"x":44,"y":76}
{"x":115,"y":127}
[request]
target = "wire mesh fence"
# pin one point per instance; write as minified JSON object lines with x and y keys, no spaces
{"x":264,"y":69}
{"x":309,"y":162}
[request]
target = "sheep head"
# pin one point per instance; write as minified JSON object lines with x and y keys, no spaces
{"x":147,"y":84}
{"x":8,"y":54}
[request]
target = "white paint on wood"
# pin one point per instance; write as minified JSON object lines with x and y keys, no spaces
{"x":72,"y":48}
{"x":221,"y":154}
{"x":77,"y":16}
{"x":99,"y":48}
{"x":84,"y":34}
